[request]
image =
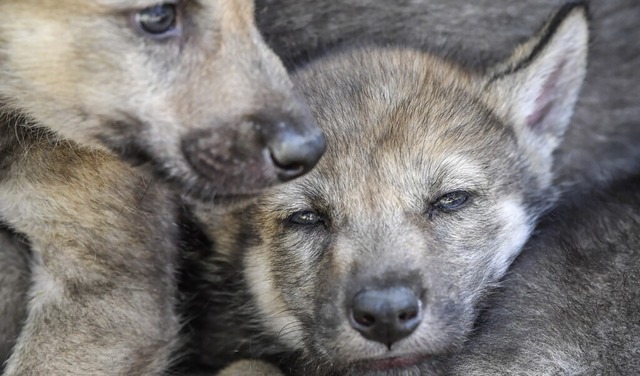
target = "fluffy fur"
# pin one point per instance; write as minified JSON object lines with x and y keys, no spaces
{"x":405,"y":130}
{"x":85,"y":88}
{"x":600,"y":144}
{"x":570,"y":302}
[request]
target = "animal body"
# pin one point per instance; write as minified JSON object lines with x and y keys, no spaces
{"x":374,"y":262}
{"x":186,"y":90}
{"x":569,"y":305}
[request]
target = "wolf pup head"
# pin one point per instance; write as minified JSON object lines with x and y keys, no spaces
{"x":375,"y":261}
{"x":187,"y":87}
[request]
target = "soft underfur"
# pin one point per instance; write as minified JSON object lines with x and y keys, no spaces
{"x":408,"y":135}
{"x":570,"y":304}
{"x":186,"y":90}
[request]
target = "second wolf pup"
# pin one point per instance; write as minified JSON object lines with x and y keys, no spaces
{"x":434,"y":178}
{"x":186,"y":89}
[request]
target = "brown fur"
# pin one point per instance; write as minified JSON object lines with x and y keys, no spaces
{"x":102,"y":276}
{"x":82,"y":70}
{"x":83,"y":91}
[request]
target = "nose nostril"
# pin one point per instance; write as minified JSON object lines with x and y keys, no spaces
{"x":292,"y":169}
{"x":365,"y":320}
{"x":408,"y":315}
{"x":386,"y":315}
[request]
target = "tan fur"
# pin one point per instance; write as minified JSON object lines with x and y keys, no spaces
{"x":83,"y":70}
{"x":84,"y":89}
{"x":103,"y":237}
{"x":250,"y":367}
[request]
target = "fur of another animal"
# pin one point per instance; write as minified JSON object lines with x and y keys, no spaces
{"x":188,"y":93}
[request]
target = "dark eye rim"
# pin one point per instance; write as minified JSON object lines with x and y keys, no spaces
{"x":467,"y":198}
{"x":292,"y":219}
{"x":172,"y":31}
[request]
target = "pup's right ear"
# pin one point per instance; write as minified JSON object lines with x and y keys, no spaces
{"x":536,"y":89}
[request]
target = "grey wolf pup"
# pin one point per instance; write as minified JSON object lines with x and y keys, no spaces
{"x":434,"y":177}
{"x":570,"y":304}
{"x":186,"y":89}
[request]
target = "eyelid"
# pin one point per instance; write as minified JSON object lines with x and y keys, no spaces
{"x":454,"y":194}
{"x":434,"y":207}
{"x":320,"y":219}
{"x":298,"y":214}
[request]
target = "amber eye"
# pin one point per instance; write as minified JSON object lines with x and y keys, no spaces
{"x":305,"y":218}
{"x":158,"y":20}
{"x":451,"y":201}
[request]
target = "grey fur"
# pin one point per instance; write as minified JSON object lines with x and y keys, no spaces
{"x":570,"y":304}
{"x":14,"y":284}
{"x":600,"y":144}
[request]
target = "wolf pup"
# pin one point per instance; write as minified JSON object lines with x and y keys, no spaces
{"x":373,"y":263}
{"x":186,"y":89}
{"x":570,"y":304}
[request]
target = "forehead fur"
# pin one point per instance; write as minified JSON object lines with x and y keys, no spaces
{"x":402,"y":119}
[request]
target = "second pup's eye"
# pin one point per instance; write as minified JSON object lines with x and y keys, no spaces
{"x":451,"y":201}
{"x":158,"y":20}
{"x":305,"y":218}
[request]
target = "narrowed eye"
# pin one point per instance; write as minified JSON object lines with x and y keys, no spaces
{"x":305,"y":218}
{"x":158,"y":20}
{"x":451,"y":201}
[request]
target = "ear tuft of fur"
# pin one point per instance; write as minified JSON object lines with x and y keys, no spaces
{"x":537,"y":88}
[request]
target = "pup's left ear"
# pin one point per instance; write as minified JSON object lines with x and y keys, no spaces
{"x":536,"y":89}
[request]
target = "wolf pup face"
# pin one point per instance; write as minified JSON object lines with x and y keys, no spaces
{"x":374,"y":262}
{"x":187,"y":87}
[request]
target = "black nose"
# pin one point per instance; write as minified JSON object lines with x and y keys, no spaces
{"x":294,"y":152}
{"x":387,"y":315}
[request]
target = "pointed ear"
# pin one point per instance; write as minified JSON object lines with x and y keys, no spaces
{"x":536,"y":89}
